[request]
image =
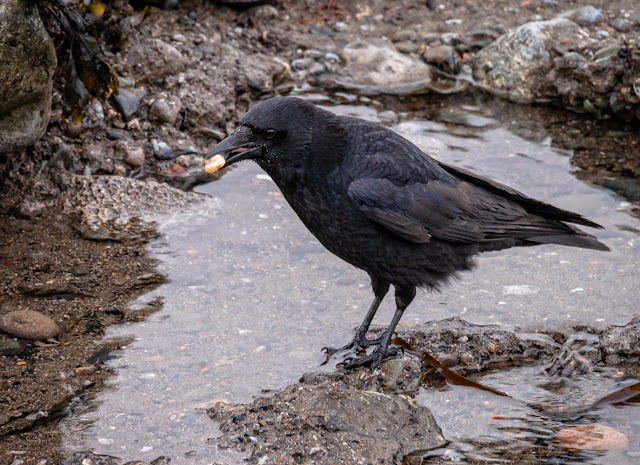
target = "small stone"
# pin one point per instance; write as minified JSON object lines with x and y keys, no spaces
{"x":28,"y":324}
{"x":127,"y":102}
{"x":134,"y":125}
{"x":125,"y":82}
{"x":592,"y":437}
{"x":86,"y":171}
{"x":131,"y":155}
{"x":341,"y":26}
{"x":406,"y":47}
{"x":584,"y":16}
{"x":216,"y":134}
{"x":165,"y":109}
{"x":187,"y":161}
{"x":119,"y":169}
{"x":265,"y":13}
{"x":388,"y":116}
{"x":332,"y":57}
{"x":403,"y":35}
{"x":10,"y":347}
{"x":619,"y":24}
{"x":93,"y":114}
{"x":115,"y":135}
{"x":161,"y":149}
{"x":317,"y":68}
{"x":301,"y":63}
{"x":178,"y":38}
{"x":602,"y":34}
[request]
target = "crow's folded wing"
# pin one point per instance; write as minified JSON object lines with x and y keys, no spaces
{"x":448,"y":210}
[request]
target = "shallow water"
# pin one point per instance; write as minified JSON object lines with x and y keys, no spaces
{"x":252,"y":297}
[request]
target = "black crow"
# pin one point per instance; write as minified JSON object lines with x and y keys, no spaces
{"x":377,"y":201}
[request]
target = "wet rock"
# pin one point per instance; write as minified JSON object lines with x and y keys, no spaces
{"x":73,"y":130}
{"x":28,"y":324}
{"x":443,"y":57}
{"x":623,"y":341}
{"x":406,"y":47}
{"x":592,"y":437}
{"x":324,"y":420}
{"x":27,"y":63}
{"x":584,"y":16}
{"x":115,"y":135}
{"x":161,"y":150}
{"x":515,"y":64}
{"x":165,"y":109}
{"x":132,"y":154}
{"x":10,"y":347}
{"x":128,"y":102}
{"x":473,"y":348}
{"x":578,"y":355}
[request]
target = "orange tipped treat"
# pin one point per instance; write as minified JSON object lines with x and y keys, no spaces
{"x":213,"y":164}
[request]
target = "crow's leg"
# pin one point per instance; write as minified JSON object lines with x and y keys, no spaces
{"x":360,"y":341}
{"x":404,"y":296}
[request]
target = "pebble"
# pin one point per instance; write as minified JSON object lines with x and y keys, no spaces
{"x":619,"y":24}
{"x":161,"y":149}
{"x":93,"y":115}
{"x":331,"y":57}
{"x":115,"y":135}
{"x":592,"y":437}
{"x":28,"y":324}
{"x":132,"y":155}
{"x":165,"y":109}
{"x":125,"y":82}
{"x":301,"y":63}
{"x":317,"y":68}
{"x":401,"y":375}
{"x":584,"y":16}
{"x":178,"y":38}
{"x":602,"y":34}
{"x":406,"y":47}
{"x":341,"y":26}
{"x":388,"y":116}
{"x":127,"y":102}
{"x":10,"y":347}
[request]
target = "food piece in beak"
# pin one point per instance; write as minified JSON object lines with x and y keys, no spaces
{"x":214,"y":163}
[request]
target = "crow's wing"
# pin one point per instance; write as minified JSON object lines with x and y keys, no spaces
{"x":440,"y":208}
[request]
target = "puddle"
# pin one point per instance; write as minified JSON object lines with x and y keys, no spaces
{"x":252,"y":297}
{"x":483,"y":427}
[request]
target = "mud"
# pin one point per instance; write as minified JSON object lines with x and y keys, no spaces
{"x":215,"y":62}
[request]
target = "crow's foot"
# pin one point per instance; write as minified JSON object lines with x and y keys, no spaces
{"x":356,"y":345}
{"x":371,"y":360}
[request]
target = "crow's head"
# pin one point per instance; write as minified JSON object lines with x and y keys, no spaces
{"x":276,"y":133}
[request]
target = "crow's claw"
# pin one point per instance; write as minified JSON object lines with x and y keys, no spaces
{"x":371,"y":360}
{"x":357,"y":344}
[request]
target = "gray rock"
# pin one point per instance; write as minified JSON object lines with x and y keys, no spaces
{"x":10,"y":347}
{"x":27,"y":63}
{"x":93,"y":114}
{"x":263,"y":72}
{"x":128,"y":102}
{"x":515,"y":63}
{"x":349,"y":425}
{"x":619,"y":24}
{"x":584,"y":16}
{"x":28,"y":324}
{"x":165,"y":109}
{"x":132,"y":154}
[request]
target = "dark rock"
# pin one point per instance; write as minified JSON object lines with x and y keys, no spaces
{"x":10,"y":347}
{"x":115,"y":135}
{"x":28,"y":324}
{"x":128,"y":102}
{"x":349,"y":425}
{"x":27,"y":63}
{"x":401,"y":375}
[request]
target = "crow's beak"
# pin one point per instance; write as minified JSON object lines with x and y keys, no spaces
{"x":238,"y":146}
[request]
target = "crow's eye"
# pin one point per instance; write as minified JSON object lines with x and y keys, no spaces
{"x":270,"y":133}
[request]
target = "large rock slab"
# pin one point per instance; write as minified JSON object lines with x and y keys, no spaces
{"x":27,"y":63}
{"x":325,"y":420}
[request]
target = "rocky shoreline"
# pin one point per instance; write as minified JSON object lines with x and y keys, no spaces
{"x":186,"y":76}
